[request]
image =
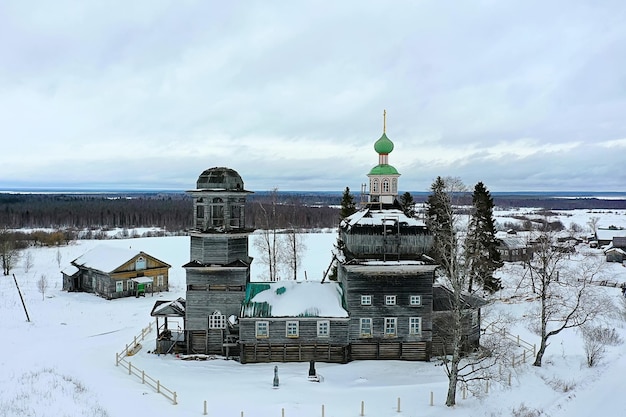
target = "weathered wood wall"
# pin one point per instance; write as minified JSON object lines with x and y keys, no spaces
{"x":220,"y":249}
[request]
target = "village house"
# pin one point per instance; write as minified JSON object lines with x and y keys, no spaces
{"x":514,"y":247}
{"x":113,"y":272}
{"x":616,"y":250}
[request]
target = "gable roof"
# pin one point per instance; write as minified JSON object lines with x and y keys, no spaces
{"x":294,"y":299}
{"x":107,"y":258}
{"x":174,"y":308}
{"x":442,"y":299}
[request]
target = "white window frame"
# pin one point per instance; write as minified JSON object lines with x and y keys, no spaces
{"x":415,"y":300}
{"x":366,"y":300}
{"x":119,"y":286}
{"x":217,"y":321}
{"x":375,"y":185}
{"x":363,"y":321}
{"x":390,"y":300}
{"x":391,"y":326}
{"x":415,"y":325}
{"x":386,"y":186}
{"x":262,"y":329}
{"x":323,"y":328}
{"x":292,"y":329}
{"x":160,"y":279}
{"x":141,"y":263}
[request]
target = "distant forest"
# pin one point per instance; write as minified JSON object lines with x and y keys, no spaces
{"x":173,"y":211}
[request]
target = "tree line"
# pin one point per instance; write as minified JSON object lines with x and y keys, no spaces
{"x":171,"y":212}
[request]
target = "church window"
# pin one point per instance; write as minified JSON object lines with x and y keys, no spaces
{"x":217,"y":321}
{"x":217,"y":212}
{"x":386,"y":185}
{"x":375,"y":185}
{"x":200,"y":212}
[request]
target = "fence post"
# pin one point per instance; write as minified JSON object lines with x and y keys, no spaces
{"x":134,"y":342}
{"x":534,"y":348}
{"x":509,"y":379}
{"x":143,"y":377}
{"x":513,"y":362}
{"x":130,"y":366}
{"x":322,"y":410}
{"x":204,"y":408}
{"x":117,"y":359}
{"x":432,"y":399}
{"x":282,"y":412}
{"x":398,"y":404}
{"x":524,"y":356}
{"x":464,"y":392}
{"x":517,"y":340}
{"x":175,"y":402}
{"x":362,"y":408}
{"x":487,"y":387}
{"x":158,"y":386}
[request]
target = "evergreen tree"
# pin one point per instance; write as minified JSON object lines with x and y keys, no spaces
{"x":482,"y":253}
{"x":348,"y":206}
{"x":439,"y":219}
{"x":408,"y":204}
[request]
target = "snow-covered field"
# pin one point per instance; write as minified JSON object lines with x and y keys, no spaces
{"x":62,"y":362}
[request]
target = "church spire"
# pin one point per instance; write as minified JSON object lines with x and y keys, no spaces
{"x":384,"y":121}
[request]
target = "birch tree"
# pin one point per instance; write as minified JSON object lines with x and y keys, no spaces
{"x":266,"y":241}
{"x":567,"y":295}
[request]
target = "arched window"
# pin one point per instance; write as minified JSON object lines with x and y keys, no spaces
{"x":217,"y":212}
{"x":140,"y":263}
{"x":375,"y":185}
{"x":386,"y":185}
{"x":394,"y":185}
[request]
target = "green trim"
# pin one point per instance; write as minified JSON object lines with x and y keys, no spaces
{"x":384,"y":169}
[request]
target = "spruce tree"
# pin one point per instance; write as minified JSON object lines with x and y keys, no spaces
{"x":482,"y":253}
{"x":439,"y":219}
{"x":408,"y":204}
{"x":348,"y":206}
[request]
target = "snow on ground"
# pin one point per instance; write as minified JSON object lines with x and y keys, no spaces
{"x":62,"y":362}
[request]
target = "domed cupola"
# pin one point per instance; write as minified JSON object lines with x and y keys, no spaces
{"x":220,"y":178}
{"x":219,"y":201}
{"x":383,"y":177}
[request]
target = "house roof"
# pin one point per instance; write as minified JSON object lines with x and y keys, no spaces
{"x":174,"y":308}
{"x":442,"y":299}
{"x":70,"y":270}
{"x":512,"y":241}
{"x":609,"y":234}
{"x":293,"y":299}
{"x":372,"y":217}
{"x":107,"y":258}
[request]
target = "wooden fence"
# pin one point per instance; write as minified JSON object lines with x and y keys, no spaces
{"x":131,"y":349}
{"x":528,"y":350}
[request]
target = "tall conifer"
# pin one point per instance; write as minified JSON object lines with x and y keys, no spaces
{"x":482,"y":253}
{"x":348,"y":206}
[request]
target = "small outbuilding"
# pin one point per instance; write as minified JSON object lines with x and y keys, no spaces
{"x":116,"y":272}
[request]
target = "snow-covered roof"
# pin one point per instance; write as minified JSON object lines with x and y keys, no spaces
{"x":70,"y":270}
{"x":142,"y":280}
{"x":609,"y":234}
{"x":369,"y":216}
{"x":174,"y":308}
{"x":294,"y":299}
{"x":512,"y":241}
{"x":105,"y":258}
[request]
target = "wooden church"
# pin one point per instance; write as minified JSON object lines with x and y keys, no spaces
{"x":382,"y":305}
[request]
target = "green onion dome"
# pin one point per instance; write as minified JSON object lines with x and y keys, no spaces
{"x":383,"y":145}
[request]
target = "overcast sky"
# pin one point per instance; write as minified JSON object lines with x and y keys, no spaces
{"x":522,"y":95}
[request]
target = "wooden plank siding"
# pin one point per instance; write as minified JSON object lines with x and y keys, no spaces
{"x":401,"y":281}
{"x":370,"y":242}
{"x":221,"y":249}
{"x":213,"y":289}
{"x":307,"y":346}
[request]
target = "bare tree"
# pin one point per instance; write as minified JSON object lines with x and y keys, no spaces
{"x":28,"y":261}
{"x":593,"y":225}
{"x":596,"y":339}
{"x":42,"y":285}
{"x":9,"y":254}
{"x":567,"y":296}
{"x":291,"y":249}
{"x":266,"y":241}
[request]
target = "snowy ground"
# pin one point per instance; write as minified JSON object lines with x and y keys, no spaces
{"x":62,"y":362}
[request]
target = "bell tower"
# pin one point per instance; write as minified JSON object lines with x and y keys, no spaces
{"x":383,"y":178}
{"x":219,"y":268}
